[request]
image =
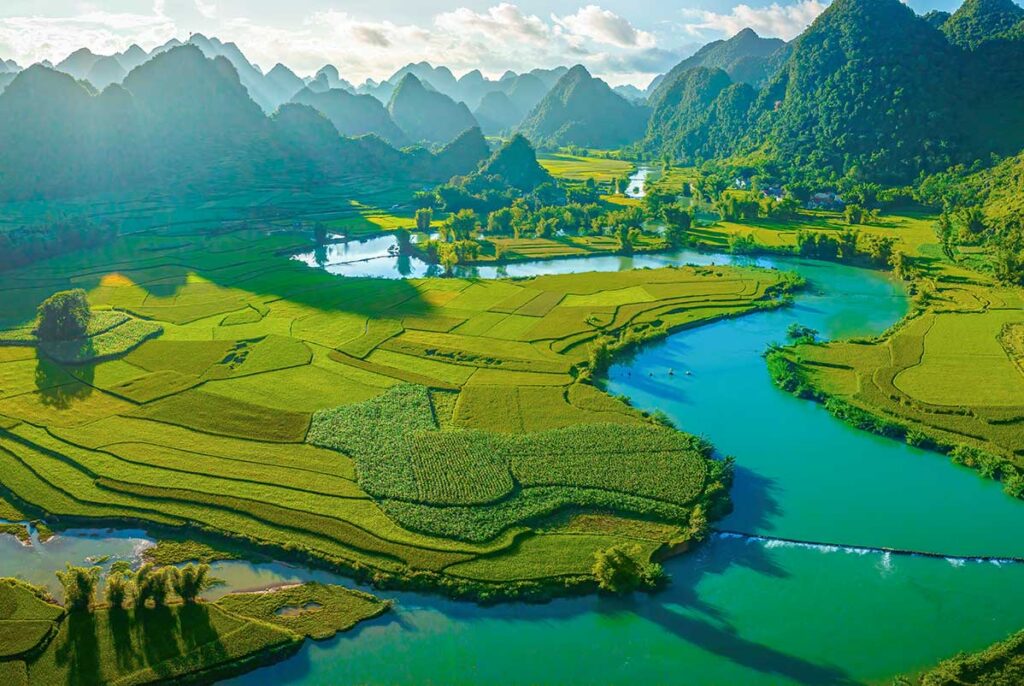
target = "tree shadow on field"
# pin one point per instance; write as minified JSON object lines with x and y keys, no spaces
{"x":79,"y":653}
{"x":249,"y":261}
{"x":120,"y":624}
{"x":58,"y":388}
{"x":197,"y":629}
{"x":157,"y":633}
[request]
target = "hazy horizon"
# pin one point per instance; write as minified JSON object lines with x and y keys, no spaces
{"x":619,"y":41}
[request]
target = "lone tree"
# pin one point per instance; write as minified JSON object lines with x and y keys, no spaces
{"x":63,"y":316}
{"x":79,"y":586}
{"x":619,"y":570}
{"x":423,"y":219}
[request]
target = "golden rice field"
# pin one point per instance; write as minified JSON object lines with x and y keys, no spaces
{"x":577,"y":168}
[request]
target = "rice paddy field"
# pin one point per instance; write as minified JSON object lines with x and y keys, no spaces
{"x":581,"y":168}
{"x":336,"y":419}
{"x":358,"y":206}
{"x":568,"y":246}
{"x":952,"y":375}
{"x":914,"y":233}
{"x":40,"y":643}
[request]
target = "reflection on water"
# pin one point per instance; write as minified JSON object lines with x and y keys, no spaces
{"x":637,"y":187}
{"x":381,"y":260}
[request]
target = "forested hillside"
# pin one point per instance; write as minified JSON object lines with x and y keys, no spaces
{"x":582,"y":110}
{"x":870,"y":91}
{"x":183,"y":122}
{"x":746,"y":58}
{"x":427,"y":115}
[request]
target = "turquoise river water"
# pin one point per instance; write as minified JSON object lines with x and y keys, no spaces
{"x":741,"y":609}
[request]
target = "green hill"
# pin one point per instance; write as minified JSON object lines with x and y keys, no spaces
{"x":353,"y":115}
{"x":184,"y":123}
{"x":516,"y":164}
{"x":870,"y":90}
{"x":978,"y":21}
{"x":746,"y":58}
{"x":428,"y":116}
{"x":497,"y":113}
{"x":700,"y":114}
{"x":460,"y":157}
{"x":582,"y":110}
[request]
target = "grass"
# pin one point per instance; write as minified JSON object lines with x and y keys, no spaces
{"x":167,"y":552}
{"x":317,"y":611}
{"x":205,"y":426}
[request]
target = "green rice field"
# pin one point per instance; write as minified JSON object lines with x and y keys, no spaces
{"x":264,"y":403}
{"x":41,"y":643}
{"x":952,"y":376}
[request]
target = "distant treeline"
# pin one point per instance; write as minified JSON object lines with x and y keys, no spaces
{"x":28,"y":244}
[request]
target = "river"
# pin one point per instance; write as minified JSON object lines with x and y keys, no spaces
{"x":739,"y":610}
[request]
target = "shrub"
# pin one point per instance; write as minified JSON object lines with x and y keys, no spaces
{"x":1013,"y":484}
{"x":63,"y":316}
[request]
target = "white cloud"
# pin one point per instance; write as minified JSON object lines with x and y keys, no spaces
{"x":504,"y":22}
{"x":604,"y":26}
{"x":207,"y":9}
{"x":783,"y":21}
{"x":35,"y":38}
{"x":492,"y":40}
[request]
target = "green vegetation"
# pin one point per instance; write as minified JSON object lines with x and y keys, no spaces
{"x":206,"y":426}
{"x":852,"y":98}
{"x":157,"y":640}
{"x":582,"y":110}
{"x":111,"y":644}
{"x":160,"y":641}
{"x":949,"y":378}
{"x":79,"y":586}
{"x":318,"y":611}
{"x":175,"y":552}
{"x":63,"y":316}
{"x":581,"y":168}
{"x":619,"y":570}
{"x":427,"y":479}
{"x":999,"y":665}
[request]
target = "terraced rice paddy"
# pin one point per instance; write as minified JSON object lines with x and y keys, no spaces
{"x":209,"y":424}
{"x":41,"y":643}
{"x":952,"y":375}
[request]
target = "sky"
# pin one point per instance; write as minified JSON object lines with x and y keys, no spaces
{"x":622,"y":41}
